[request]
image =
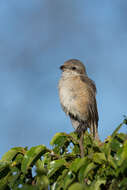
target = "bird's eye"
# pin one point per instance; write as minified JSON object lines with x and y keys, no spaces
{"x":73,"y":68}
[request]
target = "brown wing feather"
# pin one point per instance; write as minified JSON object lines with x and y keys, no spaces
{"x":89,"y":82}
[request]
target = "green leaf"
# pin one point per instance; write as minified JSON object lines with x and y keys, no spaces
{"x":123,"y":167}
{"x":59,"y":139}
{"x":99,"y":158}
{"x":112,"y":162}
{"x":116,"y":145}
{"x":124,"y":153}
{"x":40,"y":169}
{"x":123,"y":184}
{"x":31,"y":156}
{"x":55,"y":165}
{"x":107,"y":146}
{"x":18,"y":159}
{"x":121,"y":153}
{"x":78,"y":163}
{"x":122,"y":137}
{"x":4,"y":168}
{"x":60,"y":142}
{"x":64,"y":181}
{"x":74,"y":138}
{"x":59,"y":183}
{"x":68,"y":179}
{"x":77,"y":186}
{"x":4,"y":182}
{"x":42,"y":182}
{"x":97,"y":183}
{"x":8,"y":156}
{"x":4,"y":165}
{"x":13,"y":178}
{"x":84,"y":171}
{"x":117,"y":129}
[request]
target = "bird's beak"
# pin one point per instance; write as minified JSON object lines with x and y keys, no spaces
{"x":62,"y":67}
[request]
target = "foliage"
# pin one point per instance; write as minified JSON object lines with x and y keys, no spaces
{"x":104,"y":165}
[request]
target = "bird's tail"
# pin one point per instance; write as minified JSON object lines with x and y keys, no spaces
{"x":94,"y":131}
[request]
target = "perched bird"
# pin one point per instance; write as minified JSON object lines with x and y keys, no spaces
{"x":77,"y":94}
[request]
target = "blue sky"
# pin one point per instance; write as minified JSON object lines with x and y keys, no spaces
{"x":36,"y":37}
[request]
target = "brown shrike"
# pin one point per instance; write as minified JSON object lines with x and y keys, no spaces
{"x":77,"y":94}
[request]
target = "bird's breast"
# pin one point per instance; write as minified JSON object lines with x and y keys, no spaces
{"x":67,"y":96}
{"x":73,"y":95}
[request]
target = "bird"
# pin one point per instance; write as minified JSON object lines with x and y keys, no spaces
{"x":77,"y":94}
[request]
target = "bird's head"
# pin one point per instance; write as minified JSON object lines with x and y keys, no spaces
{"x":73,"y":66}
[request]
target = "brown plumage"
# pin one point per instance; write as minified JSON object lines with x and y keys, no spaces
{"x":77,"y":94}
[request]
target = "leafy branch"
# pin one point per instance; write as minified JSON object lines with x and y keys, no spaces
{"x":104,"y":165}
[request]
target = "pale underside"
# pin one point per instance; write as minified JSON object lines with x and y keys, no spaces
{"x":75,"y":96}
{"x":78,"y":101}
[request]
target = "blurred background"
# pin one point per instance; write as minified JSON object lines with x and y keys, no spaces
{"x":36,"y":37}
